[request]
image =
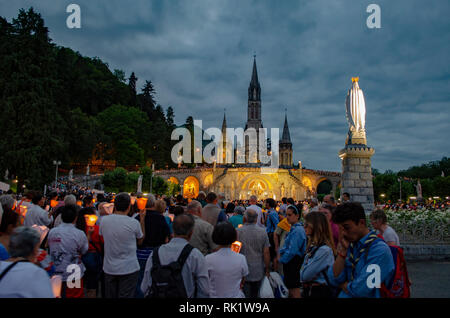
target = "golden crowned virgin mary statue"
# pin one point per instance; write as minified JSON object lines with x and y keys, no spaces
{"x":356,"y":114}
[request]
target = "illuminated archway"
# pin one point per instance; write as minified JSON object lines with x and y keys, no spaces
{"x":173,"y":180}
{"x":191,"y":187}
{"x":258,"y":187}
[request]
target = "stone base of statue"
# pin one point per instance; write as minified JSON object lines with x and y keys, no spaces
{"x":357,"y":174}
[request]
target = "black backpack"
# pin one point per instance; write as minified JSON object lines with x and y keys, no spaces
{"x":167,"y":281}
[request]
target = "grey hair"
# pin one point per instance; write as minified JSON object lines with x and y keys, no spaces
{"x":251,"y":216}
{"x":253,"y":198}
{"x":151,"y":201}
{"x":70,"y":200}
{"x":315,"y":201}
{"x":23,"y":241}
{"x":7,"y":200}
{"x":194,"y":205}
{"x":183,"y":224}
{"x":239,"y":210}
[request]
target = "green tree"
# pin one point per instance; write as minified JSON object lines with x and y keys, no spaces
{"x":32,"y":128}
{"x":120,"y":75}
{"x":126,"y":132}
{"x":160,"y":186}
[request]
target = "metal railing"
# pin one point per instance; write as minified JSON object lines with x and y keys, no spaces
{"x":422,"y":232}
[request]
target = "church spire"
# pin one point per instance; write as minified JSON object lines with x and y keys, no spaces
{"x":254,"y":90}
{"x":224,"y":123}
{"x":286,"y":137}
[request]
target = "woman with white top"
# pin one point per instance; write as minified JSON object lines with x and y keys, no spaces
{"x":226,"y":268}
{"x":320,"y":253}
{"x":19,"y":276}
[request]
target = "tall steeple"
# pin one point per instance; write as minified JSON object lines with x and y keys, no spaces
{"x":253,"y":113}
{"x":286,"y":137}
{"x":254,"y":89}
{"x":285,"y":145}
{"x":225,"y":145}
{"x":224,"y":123}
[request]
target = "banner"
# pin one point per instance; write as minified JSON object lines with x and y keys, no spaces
{"x":139,"y":185}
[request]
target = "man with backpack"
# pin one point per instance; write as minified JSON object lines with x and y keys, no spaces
{"x":362,"y":257}
{"x":176,"y":269}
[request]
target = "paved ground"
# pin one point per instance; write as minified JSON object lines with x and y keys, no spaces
{"x":430,"y":279}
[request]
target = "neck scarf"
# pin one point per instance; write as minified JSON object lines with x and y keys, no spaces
{"x":372,"y":237}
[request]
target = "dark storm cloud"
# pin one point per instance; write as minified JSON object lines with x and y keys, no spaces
{"x":199,"y":56}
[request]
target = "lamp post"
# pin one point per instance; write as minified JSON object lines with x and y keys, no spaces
{"x":56,"y":163}
{"x":400,"y":181}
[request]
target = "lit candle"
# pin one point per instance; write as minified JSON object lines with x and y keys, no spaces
{"x":79,"y":203}
{"x":23,"y":210}
{"x":239,"y":226}
{"x":90,"y":219}
{"x":142,"y":202}
{"x":236,"y":246}
{"x":53,"y":203}
{"x":56,"y":282}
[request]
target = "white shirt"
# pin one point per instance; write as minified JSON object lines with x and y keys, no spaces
{"x":226,"y":270}
{"x":37,"y":215}
{"x":258,"y":210}
{"x":194,"y":271}
{"x":66,"y":245}
{"x":389,"y":235}
{"x":119,"y":234}
{"x":25,"y":280}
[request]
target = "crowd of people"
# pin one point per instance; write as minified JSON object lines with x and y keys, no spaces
{"x":82,"y":243}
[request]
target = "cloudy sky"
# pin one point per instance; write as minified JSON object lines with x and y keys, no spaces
{"x":199,"y":55}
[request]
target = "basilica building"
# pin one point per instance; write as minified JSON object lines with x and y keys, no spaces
{"x":239,"y":181}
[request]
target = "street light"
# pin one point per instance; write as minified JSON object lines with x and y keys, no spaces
{"x":56,"y":163}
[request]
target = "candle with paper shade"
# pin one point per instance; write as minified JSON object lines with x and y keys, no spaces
{"x":79,"y":203}
{"x":23,"y":210}
{"x":236,"y":246}
{"x":240,"y":225}
{"x":90,"y":219}
{"x":141,"y":202}
{"x":56,"y":282}
{"x":53,"y":203}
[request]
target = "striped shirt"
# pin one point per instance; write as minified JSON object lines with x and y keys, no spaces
{"x":254,"y":240}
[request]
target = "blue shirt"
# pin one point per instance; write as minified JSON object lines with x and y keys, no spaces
{"x":311,"y":270}
{"x":4,"y":255}
{"x":272,"y":221}
{"x":379,"y":254}
{"x":169,"y":223}
{"x":236,"y":220}
{"x":295,"y":243}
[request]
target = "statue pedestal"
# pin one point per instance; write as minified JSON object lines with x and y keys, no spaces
{"x":357,"y":174}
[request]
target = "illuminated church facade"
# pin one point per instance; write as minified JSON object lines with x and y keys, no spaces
{"x":239,"y":181}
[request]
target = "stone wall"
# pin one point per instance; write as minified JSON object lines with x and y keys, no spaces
{"x":420,"y":252}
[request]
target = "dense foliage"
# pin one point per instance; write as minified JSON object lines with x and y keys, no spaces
{"x":56,"y":104}
{"x":431,"y":179}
